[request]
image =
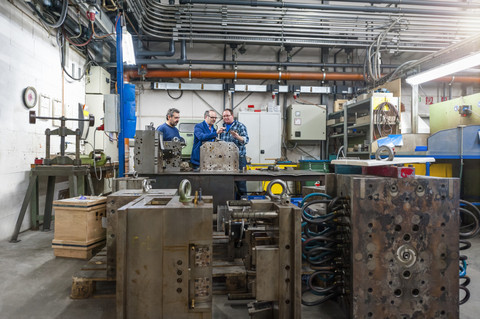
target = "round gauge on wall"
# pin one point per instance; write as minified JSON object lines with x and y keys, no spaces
{"x":30,"y":97}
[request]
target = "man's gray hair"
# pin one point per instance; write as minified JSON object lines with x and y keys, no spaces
{"x":207,"y":113}
{"x":171,"y":111}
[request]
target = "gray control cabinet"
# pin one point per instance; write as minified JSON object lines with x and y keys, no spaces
{"x":306,"y":122}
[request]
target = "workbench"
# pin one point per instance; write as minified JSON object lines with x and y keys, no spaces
{"x":77,"y":178}
{"x":222,"y":184}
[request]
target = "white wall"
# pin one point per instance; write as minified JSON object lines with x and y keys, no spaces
{"x":29,"y":56}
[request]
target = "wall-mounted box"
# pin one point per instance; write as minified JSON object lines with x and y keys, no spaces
{"x":112,"y":112}
{"x":338,"y":105}
{"x":97,"y":81}
{"x":306,"y":122}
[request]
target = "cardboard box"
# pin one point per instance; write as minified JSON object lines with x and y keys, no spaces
{"x":78,"y":226}
{"x":338,"y":105}
{"x":331,"y":122}
{"x":363,"y":120}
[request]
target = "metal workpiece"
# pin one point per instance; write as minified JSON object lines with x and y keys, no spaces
{"x":219,"y":156}
{"x":121,"y":183}
{"x":164,"y":258}
{"x":171,"y":156}
{"x":146,"y":152}
{"x":404,"y":239}
{"x":153,"y":155}
{"x":279,"y":268}
{"x":267,"y":235}
{"x":255,"y":215}
{"x":115,"y":201}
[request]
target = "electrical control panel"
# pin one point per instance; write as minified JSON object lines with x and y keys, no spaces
{"x":306,"y":122}
{"x":97,"y":81}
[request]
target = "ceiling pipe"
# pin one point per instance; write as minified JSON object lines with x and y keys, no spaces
{"x":323,"y":7}
{"x":258,"y":63}
{"x":171,"y":51}
{"x":455,"y":4}
{"x":269,"y":75}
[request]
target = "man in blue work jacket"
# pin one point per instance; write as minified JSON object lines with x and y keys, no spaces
{"x":169,"y":128}
{"x":204,"y":132}
{"x":236,"y":132}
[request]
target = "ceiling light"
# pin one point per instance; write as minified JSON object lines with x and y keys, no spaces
{"x":446,"y":69}
{"x":127,"y":47}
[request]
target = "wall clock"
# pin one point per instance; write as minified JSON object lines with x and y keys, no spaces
{"x":30,"y":97}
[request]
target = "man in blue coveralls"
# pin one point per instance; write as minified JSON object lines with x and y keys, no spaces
{"x":169,"y":128}
{"x":236,"y":132}
{"x":204,"y":132}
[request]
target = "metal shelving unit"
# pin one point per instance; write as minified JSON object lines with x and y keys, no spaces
{"x":351,"y":131}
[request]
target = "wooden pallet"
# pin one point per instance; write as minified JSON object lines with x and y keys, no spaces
{"x":92,"y":281}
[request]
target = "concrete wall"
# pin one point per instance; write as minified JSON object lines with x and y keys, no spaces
{"x":29,"y":56}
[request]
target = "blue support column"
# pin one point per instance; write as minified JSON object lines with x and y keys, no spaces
{"x":121,"y":135}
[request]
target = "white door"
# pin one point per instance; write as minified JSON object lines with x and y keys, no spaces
{"x":270,"y":135}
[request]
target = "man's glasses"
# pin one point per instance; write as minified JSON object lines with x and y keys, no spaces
{"x":212,"y":117}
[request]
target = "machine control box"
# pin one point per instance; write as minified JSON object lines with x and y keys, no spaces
{"x":306,"y":122}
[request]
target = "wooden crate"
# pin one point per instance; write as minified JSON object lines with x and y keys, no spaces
{"x":78,"y":226}
{"x":338,"y":105}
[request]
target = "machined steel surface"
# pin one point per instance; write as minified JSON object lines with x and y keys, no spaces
{"x":121,"y":183}
{"x":404,"y":246}
{"x":164,"y":259}
{"x":219,"y":156}
{"x":114,"y":202}
{"x":171,"y":156}
{"x":268,"y":234}
{"x":146,"y":152}
{"x":221,"y":184}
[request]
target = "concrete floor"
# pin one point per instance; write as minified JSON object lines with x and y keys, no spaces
{"x":35,"y":284}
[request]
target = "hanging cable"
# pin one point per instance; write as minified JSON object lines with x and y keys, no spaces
{"x":60,"y":20}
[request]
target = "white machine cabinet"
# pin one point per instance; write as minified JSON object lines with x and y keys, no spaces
{"x":105,"y":142}
{"x":265,"y":133}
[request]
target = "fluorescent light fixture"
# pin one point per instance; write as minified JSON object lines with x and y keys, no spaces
{"x":127,"y":47}
{"x":446,"y":69}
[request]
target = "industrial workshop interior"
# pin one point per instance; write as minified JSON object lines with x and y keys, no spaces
{"x":198,"y":159}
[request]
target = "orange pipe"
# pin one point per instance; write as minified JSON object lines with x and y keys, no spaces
{"x":270,"y":75}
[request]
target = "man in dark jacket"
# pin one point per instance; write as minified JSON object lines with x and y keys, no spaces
{"x":204,"y":132}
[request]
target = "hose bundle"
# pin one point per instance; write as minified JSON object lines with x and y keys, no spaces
{"x":322,"y":242}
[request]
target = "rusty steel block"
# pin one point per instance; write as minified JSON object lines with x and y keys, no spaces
{"x":404,"y":246}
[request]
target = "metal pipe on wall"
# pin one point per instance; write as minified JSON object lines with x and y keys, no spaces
{"x":262,"y":63}
{"x":269,"y":75}
{"x":321,"y":7}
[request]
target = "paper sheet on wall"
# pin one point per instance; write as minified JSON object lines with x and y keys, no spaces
{"x":56,"y":112}
{"x":44,"y":106}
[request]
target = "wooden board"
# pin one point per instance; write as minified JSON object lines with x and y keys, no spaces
{"x":81,"y":201}
{"x":397,"y":160}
